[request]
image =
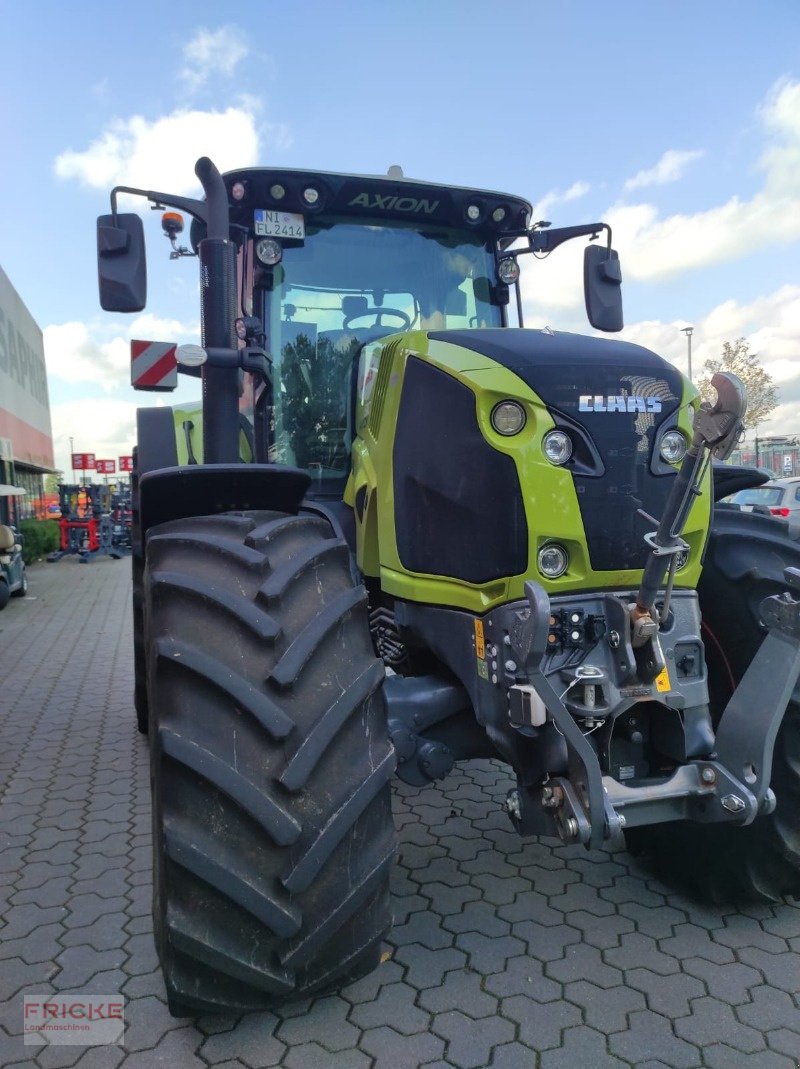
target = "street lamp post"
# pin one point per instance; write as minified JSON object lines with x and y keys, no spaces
{"x":71,"y":454}
{"x":688,"y":331}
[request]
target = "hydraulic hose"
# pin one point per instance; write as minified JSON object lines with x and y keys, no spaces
{"x":717,"y":429}
{"x":670,"y":526}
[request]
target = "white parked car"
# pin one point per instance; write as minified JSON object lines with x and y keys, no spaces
{"x":780,"y":496}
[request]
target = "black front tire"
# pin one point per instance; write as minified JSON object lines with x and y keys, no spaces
{"x":5,"y":593}
{"x":270,"y":762}
{"x":722,"y":863}
{"x":744,"y":564}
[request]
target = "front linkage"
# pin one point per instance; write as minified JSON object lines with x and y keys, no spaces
{"x":732,"y":783}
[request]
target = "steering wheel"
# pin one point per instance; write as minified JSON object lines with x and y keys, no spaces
{"x":379,"y":313}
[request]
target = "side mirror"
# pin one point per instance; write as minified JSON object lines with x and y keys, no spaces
{"x":121,"y":263}
{"x":602,"y":288}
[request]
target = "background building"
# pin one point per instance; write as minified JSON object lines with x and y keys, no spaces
{"x":779,"y":454}
{"x":26,"y":439}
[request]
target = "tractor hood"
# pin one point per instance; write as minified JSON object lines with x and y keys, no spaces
{"x":561,"y":368}
{"x":616,"y":400}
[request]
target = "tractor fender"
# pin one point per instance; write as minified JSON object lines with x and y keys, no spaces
{"x":169,"y":490}
{"x":207,"y":489}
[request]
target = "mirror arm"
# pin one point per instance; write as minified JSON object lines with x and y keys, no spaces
{"x":547,"y":240}
{"x":197,"y":208}
{"x":544,"y":241}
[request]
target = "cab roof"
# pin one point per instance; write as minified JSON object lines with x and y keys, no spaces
{"x":375,"y":197}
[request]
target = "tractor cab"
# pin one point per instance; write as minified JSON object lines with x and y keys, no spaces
{"x":325,"y":265}
{"x":331,"y":263}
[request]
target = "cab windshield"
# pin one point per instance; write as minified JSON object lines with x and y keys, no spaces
{"x":346,"y":285}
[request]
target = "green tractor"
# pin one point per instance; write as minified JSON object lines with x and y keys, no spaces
{"x":400,"y":532}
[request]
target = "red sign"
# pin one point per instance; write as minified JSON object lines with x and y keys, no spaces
{"x":105,"y":467}
{"x":154,"y":365}
{"x":126,"y":463}
{"x":83,"y":462}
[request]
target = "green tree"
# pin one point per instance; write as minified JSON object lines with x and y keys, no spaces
{"x":315,"y":378}
{"x":762,"y":393}
{"x":51,"y":481}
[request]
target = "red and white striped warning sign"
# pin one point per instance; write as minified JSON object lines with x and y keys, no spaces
{"x":154,"y":365}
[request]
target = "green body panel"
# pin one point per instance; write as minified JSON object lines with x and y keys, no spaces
{"x":547,"y":491}
{"x":193,"y":413}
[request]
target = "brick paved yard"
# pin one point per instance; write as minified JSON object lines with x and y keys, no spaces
{"x":503,"y":954}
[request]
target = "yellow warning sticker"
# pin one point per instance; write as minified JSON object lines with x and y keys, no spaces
{"x":480,"y":645}
{"x":662,"y":681}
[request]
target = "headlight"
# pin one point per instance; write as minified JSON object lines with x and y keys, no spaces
{"x":557,"y":446}
{"x":269,"y":251}
{"x":673,"y":447}
{"x":553,"y":560}
{"x":508,"y":270}
{"x":508,"y":417}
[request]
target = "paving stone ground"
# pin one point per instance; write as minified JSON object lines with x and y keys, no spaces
{"x":504,"y":953}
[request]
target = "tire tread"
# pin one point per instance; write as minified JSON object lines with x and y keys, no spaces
{"x":271,"y":857}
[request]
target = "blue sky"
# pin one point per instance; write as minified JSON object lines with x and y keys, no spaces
{"x":677,"y":122}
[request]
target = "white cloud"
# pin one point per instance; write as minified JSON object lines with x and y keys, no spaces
{"x":657,"y":247}
{"x":552,"y":288}
{"x":668,"y":169}
{"x":771,"y":325}
{"x":156,"y":328}
{"x":545,"y":205}
{"x":212,"y":52}
{"x":75,"y":354}
{"x":780,"y":117}
{"x":161,"y":154}
{"x":663,"y":248}
{"x":653,"y":248}
{"x":102,"y":426}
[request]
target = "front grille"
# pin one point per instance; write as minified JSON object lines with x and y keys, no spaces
{"x":381,"y":386}
{"x":626,"y":442}
{"x":458,"y":504}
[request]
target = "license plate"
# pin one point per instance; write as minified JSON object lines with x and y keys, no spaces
{"x":279,"y":224}
{"x":746,"y":508}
